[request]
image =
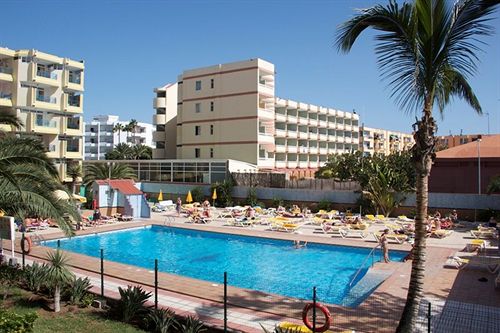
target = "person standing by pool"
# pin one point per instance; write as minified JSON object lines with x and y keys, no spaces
{"x":384,"y":244}
{"x":178,"y":205}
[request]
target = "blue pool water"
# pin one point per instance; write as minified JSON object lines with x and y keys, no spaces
{"x":267,"y":265}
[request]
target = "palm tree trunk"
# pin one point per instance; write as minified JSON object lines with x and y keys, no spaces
{"x":57,"y":299}
{"x":73,"y":185}
{"x":422,"y":157}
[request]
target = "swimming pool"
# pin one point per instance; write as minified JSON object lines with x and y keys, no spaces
{"x":267,"y":265}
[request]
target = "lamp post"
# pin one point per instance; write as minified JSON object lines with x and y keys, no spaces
{"x":488,"y":114}
{"x":479,"y":165}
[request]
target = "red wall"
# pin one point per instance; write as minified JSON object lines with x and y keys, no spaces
{"x":450,"y":175}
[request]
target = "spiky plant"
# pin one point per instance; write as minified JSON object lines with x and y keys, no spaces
{"x":57,"y":275}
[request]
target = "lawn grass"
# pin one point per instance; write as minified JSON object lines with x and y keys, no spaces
{"x":70,"y":319}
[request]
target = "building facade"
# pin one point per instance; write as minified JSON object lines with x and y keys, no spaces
{"x":450,"y":141}
{"x":230,"y":111}
{"x":102,"y":135}
{"x":381,"y":141}
{"x":46,"y":92}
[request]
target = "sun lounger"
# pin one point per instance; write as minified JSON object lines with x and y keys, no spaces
{"x":334,"y":230}
{"x":484,"y":233}
{"x":397,"y":238}
{"x":243,"y":222}
{"x":371,"y":217}
{"x":380,"y":217}
{"x":404,"y":218}
{"x":354,"y":233}
{"x":298,"y":328}
{"x":491,"y":264}
{"x":475,"y":244}
{"x":441,"y":233}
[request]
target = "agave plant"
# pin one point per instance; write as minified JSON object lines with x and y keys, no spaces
{"x":132,"y":303}
{"x":192,"y":325}
{"x":78,"y":289}
{"x":161,"y":320}
{"x":57,"y":275}
{"x":32,"y":277}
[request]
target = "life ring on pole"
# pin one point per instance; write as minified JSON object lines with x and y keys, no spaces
{"x":26,"y":244}
{"x":324,"y":310}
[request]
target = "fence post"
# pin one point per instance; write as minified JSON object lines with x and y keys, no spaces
{"x":314,"y":309}
{"x":429,"y":318}
{"x":225,"y":302}
{"x":102,"y":273}
{"x":156,"y":284}
{"x":22,"y":242}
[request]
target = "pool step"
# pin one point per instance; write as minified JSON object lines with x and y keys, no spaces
{"x":371,"y":280}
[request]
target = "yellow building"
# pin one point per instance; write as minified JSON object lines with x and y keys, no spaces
{"x":230,"y":111}
{"x":46,"y":92}
{"x":381,"y":141}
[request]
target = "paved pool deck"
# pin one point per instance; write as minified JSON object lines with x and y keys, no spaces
{"x":248,"y":309}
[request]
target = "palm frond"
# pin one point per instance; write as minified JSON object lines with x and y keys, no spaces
{"x":11,"y":120}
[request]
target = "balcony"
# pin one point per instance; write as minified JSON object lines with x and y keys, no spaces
{"x":313,"y":136}
{"x":291,"y":119}
{"x":48,"y":126}
{"x":292,"y":149}
{"x":159,"y":119}
{"x":323,"y":137}
{"x":291,"y":134}
{"x":313,"y":150}
{"x":159,"y":102}
{"x":266,"y":114}
{"x":265,"y":163}
{"x":322,"y":123}
{"x":46,"y":102}
{"x":6,"y":74}
{"x":280,"y":149}
{"x":74,"y":103}
{"x":5,"y":99}
{"x":47,"y":77}
{"x":158,"y":136}
{"x":291,"y":164}
{"x":303,"y":164}
{"x":280,"y":133}
{"x":340,"y":139}
{"x":323,"y":151}
{"x":266,"y":89}
{"x":313,"y":122}
{"x":280,"y":164}
{"x":303,"y":135}
{"x":332,"y":150}
{"x":280,"y":117}
{"x":266,"y":138}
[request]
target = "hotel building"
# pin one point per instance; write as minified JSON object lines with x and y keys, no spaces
{"x":46,"y":92}
{"x":380,"y":141}
{"x":230,"y":111}
{"x":100,"y":138}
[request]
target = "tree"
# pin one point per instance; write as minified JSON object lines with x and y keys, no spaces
{"x":494,"y":185}
{"x":133,"y":127}
{"x":142,"y":152}
{"x":427,"y":50}
{"x":118,"y":128}
{"x":28,"y":181}
{"x":10,"y":120}
{"x":74,"y":171}
{"x":57,"y":275}
{"x":122,"y":151}
{"x":99,"y":171}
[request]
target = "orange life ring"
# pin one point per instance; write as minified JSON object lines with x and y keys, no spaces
{"x":324,"y":310}
{"x":26,"y":242}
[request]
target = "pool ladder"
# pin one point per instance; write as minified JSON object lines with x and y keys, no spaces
{"x":168,"y":221}
{"x":371,"y":254}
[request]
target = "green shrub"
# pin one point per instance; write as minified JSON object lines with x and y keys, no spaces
{"x":77,"y":290}
{"x":13,"y":322}
{"x":224,"y":193}
{"x":277,"y":202}
{"x":252,"y":199}
{"x":324,"y":205}
{"x":261,"y":204}
{"x":485,"y":215}
{"x":197,"y":194}
{"x":132,"y":303}
{"x":192,"y":325}
{"x":161,"y":320}
{"x":278,"y":329}
{"x":32,"y":277}
{"x":9,"y":276}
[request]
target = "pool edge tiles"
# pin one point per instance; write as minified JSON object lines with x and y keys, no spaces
{"x":208,"y":249}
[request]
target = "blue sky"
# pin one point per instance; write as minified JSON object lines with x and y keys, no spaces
{"x":131,"y":47}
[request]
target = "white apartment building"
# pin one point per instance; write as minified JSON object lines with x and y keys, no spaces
{"x":101,"y":136}
{"x":230,"y":111}
{"x":46,"y":92}
{"x":380,"y":141}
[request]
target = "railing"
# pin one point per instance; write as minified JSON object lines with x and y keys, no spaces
{"x":6,"y":70}
{"x":5,"y":95}
{"x":46,"y":122}
{"x":371,"y":254}
{"x":74,"y":79}
{"x":42,"y":98}
{"x":47,"y":74}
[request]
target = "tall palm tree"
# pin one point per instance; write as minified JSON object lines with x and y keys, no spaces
{"x":122,"y":151}
{"x":142,"y":152}
{"x":74,"y":171}
{"x":28,"y":181}
{"x":427,"y":50}
{"x":11,"y":120}
{"x":99,"y":171}
{"x":132,"y":128}
{"x":118,"y":128}
{"x":57,"y":275}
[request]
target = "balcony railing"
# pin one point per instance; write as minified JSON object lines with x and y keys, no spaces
{"x":46,"y":123}
{"x":73,"y":125}
{"x":6,"y":70}
{"x":5,"y":95}
{"x":73,"y":148}
{"x":47,"y":74}
{"x":74,"y":79}
{"x":45,"y":99}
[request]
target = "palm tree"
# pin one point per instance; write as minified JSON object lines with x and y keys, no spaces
{"x":427,"y":50}
{"x":142,"y":152}
{"x":74,"y":171}
{"x":11,"y":120}
{"x":122,"y":151}
{"x":99,"y":171}
{"x":28,"y":181}
{"x":118,"y":128}
{"x":494,"y":185}
{"x":57,"y":275}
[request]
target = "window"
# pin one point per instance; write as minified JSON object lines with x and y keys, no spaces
{"x":211,"y":153}
{"x":198,"y":85}
{"x":211,"y":106}
{"x":197,"y":107}
{"x":211,"y":129}
{"x":211,"y":83}
{"x":197,"y":153}
{"x":197,"y":130}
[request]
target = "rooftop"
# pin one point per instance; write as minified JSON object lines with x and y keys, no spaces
{"x":489,"y":147}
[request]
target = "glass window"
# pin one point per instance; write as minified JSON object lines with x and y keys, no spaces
{"x":197,"y":130}
{"x":211,"y":106}
{"x":212,"y":84}
{"x":197,"y":153}
{"x":211,"y":153}
{"x":197,"y":107}
{"x":198,"y":85}
{"x":211,"y":129}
